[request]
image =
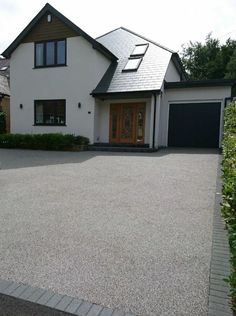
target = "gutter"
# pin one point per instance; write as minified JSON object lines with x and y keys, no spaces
{"x":200,"y":83}
{"x":124,"y":94}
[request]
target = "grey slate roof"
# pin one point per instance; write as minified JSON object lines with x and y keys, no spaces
{"x":4,"y":66}
{"x":4,"y":86}
{"x":151,"y":72}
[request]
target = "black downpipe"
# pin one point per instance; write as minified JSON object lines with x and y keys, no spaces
{"x":154,"y":121}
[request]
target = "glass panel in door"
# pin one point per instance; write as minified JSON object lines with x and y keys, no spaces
{"x":140,"y":124}
{"x":127,"y":124}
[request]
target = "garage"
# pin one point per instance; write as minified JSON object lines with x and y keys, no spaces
{"x":194,"y":124}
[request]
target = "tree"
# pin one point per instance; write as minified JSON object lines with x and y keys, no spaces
{"x":231,"y":67}
{"x":209,"y":60}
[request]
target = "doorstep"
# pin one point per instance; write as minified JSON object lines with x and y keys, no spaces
{"x":122,"y":147}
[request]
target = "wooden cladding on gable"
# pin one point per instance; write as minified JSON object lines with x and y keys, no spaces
{"x":45,"y":30}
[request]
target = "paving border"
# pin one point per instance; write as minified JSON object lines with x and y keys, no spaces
{"x":55,"y":301}
{"x":219,"y":303}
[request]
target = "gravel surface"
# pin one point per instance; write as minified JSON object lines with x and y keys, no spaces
{"x":129,"y":231}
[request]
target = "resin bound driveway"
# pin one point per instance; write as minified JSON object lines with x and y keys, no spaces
{"x":129,"y":231}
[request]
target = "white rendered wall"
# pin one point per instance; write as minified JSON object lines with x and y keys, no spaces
{"x":171,"y":73}
{"x":85,"y":68}
{"x":190,"y":95}
{"x":101,"y":133}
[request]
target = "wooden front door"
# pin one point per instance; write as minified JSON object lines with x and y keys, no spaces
{"x":127,"y":123}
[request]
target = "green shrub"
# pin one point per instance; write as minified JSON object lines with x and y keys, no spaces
{"x":42,"y":141}
{"x":229,"y":189}
{"x":81,"y":140}
{"x":2,"y":122}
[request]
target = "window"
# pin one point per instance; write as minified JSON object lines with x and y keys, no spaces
{"x":132,"y":64}
{"x":50,"y":53}
{"x":136,"y":57}
{"x":39,"y":51}
{"x":139,"y":50}
{"x":50,"y":112}
{"x":61,"y":52}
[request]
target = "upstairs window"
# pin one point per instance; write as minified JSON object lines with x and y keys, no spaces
{"x":50,"y":112}
{"x":140,"y":50}
{"x":132,"y":64}
{"x":50,"y":53}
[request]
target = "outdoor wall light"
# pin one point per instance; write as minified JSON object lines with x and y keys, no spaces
{"x":21,"y":106}
{"x":79,"y":105}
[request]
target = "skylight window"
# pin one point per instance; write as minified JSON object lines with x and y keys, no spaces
{"x":132,"y":64}
{"x":140,"y":50}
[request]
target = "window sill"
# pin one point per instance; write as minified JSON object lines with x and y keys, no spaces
{"x":63,"y":125}
{"x":52,"y":66}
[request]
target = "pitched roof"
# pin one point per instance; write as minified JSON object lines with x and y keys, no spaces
{"x":4,"y":66}
{"x":139,"y":35}
{"x":4,"y":86}
{"x":48,"y":8}
{"x":151,"y":72}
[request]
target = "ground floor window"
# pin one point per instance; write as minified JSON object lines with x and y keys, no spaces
{"x":50,"y":112}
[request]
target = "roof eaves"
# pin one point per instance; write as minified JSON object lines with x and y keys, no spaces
{"x":125,"y":94}
{"x":49,"y":8}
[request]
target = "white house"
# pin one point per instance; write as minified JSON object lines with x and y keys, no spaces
{"x":120,"y":88}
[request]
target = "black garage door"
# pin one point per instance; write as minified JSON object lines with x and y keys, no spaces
{"x":194,"y":125}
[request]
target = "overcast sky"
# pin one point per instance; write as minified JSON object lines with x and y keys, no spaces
{"x":169,"y":22}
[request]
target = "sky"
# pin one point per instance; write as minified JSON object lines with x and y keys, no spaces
{"x":171,"y":23}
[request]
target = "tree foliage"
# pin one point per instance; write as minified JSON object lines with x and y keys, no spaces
{"x":210,"y":60}
{"x":231,"y":67}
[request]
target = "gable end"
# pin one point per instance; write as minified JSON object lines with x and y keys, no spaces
{"x":67,"y":24}
{"x":45,"y":30}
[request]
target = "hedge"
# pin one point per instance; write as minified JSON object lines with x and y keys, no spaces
{"x":51,"y":141}
{"x":2,"y":122}
{"x":229,"y":190}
